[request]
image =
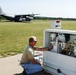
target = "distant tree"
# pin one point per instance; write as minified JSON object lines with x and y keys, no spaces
{"x":0,"y":18}
{"x":54,"y":18}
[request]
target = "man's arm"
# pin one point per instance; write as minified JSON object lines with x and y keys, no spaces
{"x":43,"y":49}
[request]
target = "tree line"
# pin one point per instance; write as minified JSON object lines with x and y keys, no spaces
{"x":53,"y":18}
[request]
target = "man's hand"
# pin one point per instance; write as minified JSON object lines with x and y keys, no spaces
{"x":49,"y":48}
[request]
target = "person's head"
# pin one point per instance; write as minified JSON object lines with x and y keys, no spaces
{"x":32,"y":41}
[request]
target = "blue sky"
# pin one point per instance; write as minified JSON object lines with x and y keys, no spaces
{"x":50,"y":8}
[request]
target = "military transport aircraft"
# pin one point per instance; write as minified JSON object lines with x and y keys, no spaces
{"x":18,"y":18}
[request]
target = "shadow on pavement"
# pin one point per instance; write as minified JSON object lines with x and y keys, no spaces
{"x":19,"y":74}
{"x":39,"y":73}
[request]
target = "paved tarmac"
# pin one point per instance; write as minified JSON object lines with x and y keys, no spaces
{"x":10,"y":65}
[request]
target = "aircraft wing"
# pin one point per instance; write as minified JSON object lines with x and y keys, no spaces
{"x":20,"y":15}
{"x":24,"y":15}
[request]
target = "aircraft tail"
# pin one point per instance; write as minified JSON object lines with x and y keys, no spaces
{"x":1,"y":11}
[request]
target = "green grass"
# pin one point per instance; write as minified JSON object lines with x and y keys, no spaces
{"x":14,"y":35}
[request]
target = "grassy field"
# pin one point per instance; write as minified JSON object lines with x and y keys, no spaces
{"x":14,"y":35}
